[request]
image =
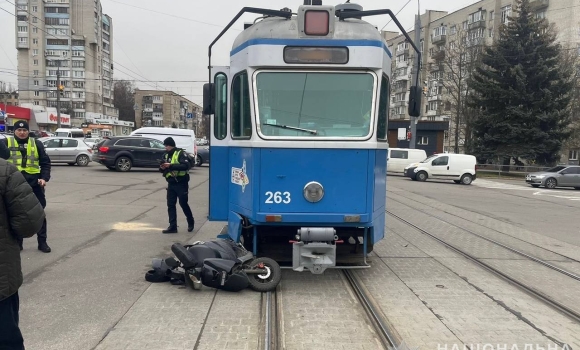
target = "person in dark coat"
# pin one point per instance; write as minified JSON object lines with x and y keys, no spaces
{"x":29,"y":156}
{"x":21,"y":215}
{"x":175,"y":169}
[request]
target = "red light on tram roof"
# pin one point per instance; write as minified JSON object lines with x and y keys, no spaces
{"x":316,"y":22}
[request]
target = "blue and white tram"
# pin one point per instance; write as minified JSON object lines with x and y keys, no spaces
{"x":299,"y":135}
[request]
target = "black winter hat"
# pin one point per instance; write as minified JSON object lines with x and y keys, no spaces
{"x":21,"y":124}
{"x":169,"y":142}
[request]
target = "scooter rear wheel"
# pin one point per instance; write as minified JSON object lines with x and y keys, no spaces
{"x":265,"y":282}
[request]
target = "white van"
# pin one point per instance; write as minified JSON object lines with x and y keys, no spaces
{"x":184,"y":138}
{"x":399,"y":158}
{"x":461,"y":168}
{"x":64,"y":132}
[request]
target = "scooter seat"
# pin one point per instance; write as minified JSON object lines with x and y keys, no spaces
{"x":187,"y":258}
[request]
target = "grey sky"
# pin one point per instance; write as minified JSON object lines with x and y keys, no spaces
{"x":172,"y":45}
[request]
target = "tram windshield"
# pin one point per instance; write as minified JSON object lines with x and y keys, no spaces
{"x":315,"y":104}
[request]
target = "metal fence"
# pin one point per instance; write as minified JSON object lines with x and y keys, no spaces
{"x":510,"y":170}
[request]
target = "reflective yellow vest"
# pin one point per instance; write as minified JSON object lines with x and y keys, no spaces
{"x":175,"y":160}
{"x":32,"y":165}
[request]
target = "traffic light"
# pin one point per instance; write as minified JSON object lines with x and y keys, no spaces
{"x":61,"y":90}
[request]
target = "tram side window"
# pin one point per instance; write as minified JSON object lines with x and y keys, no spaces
{"x":241,"y":112}
{"x":221,"y":100}
{"x":383,"y":110}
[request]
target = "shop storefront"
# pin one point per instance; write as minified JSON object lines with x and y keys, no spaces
{"x":45,"y":119}
{"x":10,"y":115}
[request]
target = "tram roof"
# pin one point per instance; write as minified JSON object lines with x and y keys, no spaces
{"x":281,"y":31}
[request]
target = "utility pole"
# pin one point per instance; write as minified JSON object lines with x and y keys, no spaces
{"x":58,"y":92}
{"x":416,"y":68}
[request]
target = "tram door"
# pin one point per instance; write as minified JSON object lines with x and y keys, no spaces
{"x":219,"y":145}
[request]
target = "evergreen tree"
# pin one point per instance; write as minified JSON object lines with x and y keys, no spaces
{"x":522,"y":93}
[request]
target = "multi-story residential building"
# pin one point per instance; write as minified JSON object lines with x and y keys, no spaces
{"x":71,"y":38}
{"x":478,"y":23}
{"x":166,"y":109}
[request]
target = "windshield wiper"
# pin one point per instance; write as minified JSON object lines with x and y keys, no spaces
{"x":314,"y":132}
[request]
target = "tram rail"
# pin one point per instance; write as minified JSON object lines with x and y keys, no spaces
{"x":569,"y":311}
{"x":384,"y":332}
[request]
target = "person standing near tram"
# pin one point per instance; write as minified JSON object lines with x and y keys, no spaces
{"x":175,"y":168}
{"x":29,"y":156}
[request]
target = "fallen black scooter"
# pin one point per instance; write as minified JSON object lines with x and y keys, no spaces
{"x":221,"y":264}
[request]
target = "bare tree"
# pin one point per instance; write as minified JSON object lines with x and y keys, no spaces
{"x":124,"y":99}
{"x":458,"y":58}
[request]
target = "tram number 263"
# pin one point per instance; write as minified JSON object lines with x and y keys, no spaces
{"x":277,"y":197}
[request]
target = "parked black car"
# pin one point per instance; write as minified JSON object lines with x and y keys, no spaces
{"x":121,"y":153}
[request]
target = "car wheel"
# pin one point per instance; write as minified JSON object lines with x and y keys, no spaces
{"x":422,"y":176}
{"x":198,"y":161}
{"x":83,"y":160}
{"x":551,"y":183}
{"x":123,"y":164}
{"x":466,"y":179}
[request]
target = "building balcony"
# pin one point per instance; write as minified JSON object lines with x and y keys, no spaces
{"x":431,"y":113}
{"x":439,"y":55}
{"x":434,"y":98}
{"x":403,"y":52}
{"x":475,"y":42}
{"x":20,"y":45}
{"x":539,"y":4}
{"x":475,"y":25}
{"x":403,"y":77}
{"x":439,"y":39}
{"x":400,"y":103}
{"x":402,"y":64}
{"x":400,"y":89}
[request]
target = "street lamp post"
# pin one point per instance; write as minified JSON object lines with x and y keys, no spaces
{"x":60,"y":90}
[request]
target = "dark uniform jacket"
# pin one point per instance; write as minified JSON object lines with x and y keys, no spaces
{"x":184,"y":164}
{"x":21,"y":215}
{"x":43,"y":161}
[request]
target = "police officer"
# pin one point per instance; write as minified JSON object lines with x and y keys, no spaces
{"x":29,"y":156}
{"x":175,"y":169}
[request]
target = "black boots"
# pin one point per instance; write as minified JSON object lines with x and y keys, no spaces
{"x":43,"y":247}
{"x":170,"y":230}
{"x":190,"y":225}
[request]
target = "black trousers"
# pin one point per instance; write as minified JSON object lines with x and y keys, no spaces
{"x":178,"y":190}
{"x":10,"y":335}
{"x":40,"y":235}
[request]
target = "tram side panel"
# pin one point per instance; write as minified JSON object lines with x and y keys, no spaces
{"x":380,"y":194}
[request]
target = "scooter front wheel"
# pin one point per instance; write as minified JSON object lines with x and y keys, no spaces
{"x":268,"y":281}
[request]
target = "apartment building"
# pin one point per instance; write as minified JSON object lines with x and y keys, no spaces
{"x":71,"y":38}
{"x":479,"y":23}
{"x":165,"y":109}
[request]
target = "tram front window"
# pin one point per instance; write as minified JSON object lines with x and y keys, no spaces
{"x":315,"y":104}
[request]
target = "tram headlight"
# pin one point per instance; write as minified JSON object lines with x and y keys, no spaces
{"x":313,"y":192}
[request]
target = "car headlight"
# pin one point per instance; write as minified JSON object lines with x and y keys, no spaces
{"x":313,"y":192}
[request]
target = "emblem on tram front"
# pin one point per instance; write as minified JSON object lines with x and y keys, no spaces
{"x":240,"y":177}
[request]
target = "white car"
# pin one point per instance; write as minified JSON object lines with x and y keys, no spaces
{"x":461,"y":168}
{"x":67,"y":150}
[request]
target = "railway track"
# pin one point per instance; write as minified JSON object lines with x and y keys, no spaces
{"x":272,"y":323}
{"x":569,"y":311}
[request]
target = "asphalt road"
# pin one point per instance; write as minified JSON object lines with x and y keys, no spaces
{"x":552,"y":213}
{"x":104,"y":228}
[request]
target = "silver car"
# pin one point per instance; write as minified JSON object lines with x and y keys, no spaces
{"x":560,"y":176}
{"x":68,"y":150}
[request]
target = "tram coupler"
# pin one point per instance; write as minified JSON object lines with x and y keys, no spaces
{"x":314,"y":249}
